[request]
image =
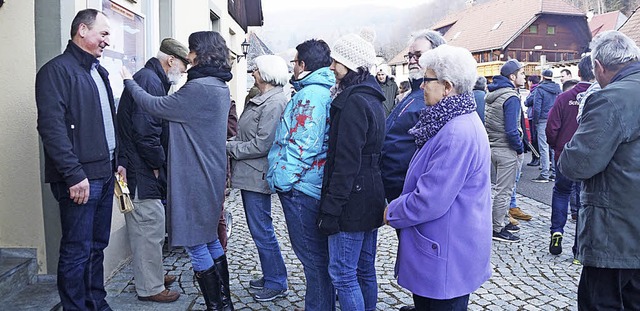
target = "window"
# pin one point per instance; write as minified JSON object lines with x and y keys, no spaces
{"x":533,"y":29}
{"x":127,"y":45}
{"x":551,"y":30}
{"x":497,"y":25}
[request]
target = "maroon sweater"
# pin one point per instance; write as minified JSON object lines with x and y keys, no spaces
{"x":562,"y":123}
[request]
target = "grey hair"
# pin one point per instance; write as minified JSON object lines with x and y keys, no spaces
{"x":432,"y":36}
{"x":162,"y":56}
{"x":613,"y":48}
{"x":273,"y":69}
{"x":453,"y":64}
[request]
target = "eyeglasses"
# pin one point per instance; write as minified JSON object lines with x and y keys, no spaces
{"x":295,"y":61}
{"x":428,"y":79}
{"x":410,"y":55}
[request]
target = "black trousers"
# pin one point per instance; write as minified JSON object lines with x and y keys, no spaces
{"x":609,"y":289}
{"x":453,"y":304}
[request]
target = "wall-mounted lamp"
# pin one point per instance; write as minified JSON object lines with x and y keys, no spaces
{"x":245,"y":49}
{"x":537,"y":47}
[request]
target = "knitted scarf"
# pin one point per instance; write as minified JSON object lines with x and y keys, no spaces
{"x":433,"y":118}
{"x":200,"y":71}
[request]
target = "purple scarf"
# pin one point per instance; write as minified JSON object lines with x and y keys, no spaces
{"x":433,"y":118}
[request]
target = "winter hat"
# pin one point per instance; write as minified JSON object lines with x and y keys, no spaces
{"x":355,"y":51}
{"x":547,"y":74}
{"x":173,"y":47}
{"x":384,"y":69}
{"x":510,"y":67}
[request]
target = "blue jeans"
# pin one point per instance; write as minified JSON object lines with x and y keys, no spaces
{"x":352,"y":257}
{"x":560,"y":201}
{"x":203,"y":255}
{"x":85,"y":235}
{"x":513,"y":203}
{"x":544,"y":147}
{"x":257,"y":209}
{"x":310,"y":246}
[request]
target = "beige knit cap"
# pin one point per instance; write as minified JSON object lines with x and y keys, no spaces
{"x":355,"y":51}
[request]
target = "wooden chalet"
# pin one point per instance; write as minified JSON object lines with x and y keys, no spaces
{"x":631,"y":27}
{"x":534,"y":32}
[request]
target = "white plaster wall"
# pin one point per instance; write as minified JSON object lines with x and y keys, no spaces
{"x":21,"y":216}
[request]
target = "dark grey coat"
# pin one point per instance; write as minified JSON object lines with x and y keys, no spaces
{"x":197,"y":115}
{"x":603,"y":154}
{"x":256,"y":131}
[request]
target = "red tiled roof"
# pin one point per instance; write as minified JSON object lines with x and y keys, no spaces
{"x":631,"y":28}
{"x":399,"y":58}
{"x":472,"y":28}
{"x":606,"y":21}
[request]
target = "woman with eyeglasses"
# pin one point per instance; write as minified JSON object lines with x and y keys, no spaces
{"x":248,"y":151}
{"x":352,"y":199}
{"x":444,"y":212}
{"x":197,"y":116}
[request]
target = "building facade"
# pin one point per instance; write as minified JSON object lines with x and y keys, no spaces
{"x":33,"y":32}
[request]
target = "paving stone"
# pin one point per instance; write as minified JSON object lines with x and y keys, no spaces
{"x":525,"y":276}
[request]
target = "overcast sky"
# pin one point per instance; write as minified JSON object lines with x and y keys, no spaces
{"x":280,"y":5}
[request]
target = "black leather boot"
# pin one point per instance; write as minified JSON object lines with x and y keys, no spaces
{"x":210,"y":285}
{"x":223,"y":271}
{"x":534,"y":162}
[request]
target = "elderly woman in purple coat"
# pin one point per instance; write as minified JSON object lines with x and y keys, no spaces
{"x":444,"y":212}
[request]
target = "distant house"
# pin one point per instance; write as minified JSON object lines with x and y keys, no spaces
{"x":607,"y":21}
{"x":532,"y":32}
{"x":631,"y":27}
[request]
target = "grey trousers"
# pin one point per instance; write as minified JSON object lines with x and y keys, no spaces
{"x":145,"y":229}
{"x":506,"y":162}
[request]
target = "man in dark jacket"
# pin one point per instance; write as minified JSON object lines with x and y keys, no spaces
{"x":140,"y":140}
{"x":76,"y":123}
{"x":389,"y":88}
{"x":561,"y":126}
{"x":502,"y":120}
{"x":543,"y":98}
{"x":399,"y":146}
{"x":603,"y":154}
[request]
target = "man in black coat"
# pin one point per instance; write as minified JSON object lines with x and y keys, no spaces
{"x":141,"y":138}
{"x":76,"y":123}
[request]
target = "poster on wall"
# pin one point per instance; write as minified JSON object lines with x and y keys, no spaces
{"x":127,"y":44}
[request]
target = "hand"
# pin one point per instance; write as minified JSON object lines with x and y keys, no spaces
{"x":156,"y":173}
{"x":328,"y":224}
{"x":79,"y":192}
{"x":123,"y":172}
{"x":125,"y":74}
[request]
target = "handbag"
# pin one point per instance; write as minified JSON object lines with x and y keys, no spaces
{"x":122,"y":195}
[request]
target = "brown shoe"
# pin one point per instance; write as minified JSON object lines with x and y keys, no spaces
{"x":513,"y":221}
{"x":169,"y":279}
{"x":517,"y":213}
{"x":164,"y":296}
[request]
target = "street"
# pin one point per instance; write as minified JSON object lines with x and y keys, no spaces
{"x":525,"y":275}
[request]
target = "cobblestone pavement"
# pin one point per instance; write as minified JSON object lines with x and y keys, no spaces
{"x":525,"y":275}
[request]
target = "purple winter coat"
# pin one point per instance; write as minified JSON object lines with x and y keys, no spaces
{"x":444,"y":213}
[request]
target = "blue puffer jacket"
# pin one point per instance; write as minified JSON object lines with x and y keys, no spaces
{"x":299,"y":151}
{"x":543,"y":98}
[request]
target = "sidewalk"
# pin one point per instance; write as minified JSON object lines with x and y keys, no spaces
{"x":525,"y":275}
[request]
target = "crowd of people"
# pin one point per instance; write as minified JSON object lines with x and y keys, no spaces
{"x":346,"y":153}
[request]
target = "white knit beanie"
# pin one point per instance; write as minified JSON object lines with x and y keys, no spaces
{"x":355,"y":51}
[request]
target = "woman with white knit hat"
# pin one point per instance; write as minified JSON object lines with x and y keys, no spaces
{"x":352,"y":201}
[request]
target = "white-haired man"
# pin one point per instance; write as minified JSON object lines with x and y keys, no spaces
{"x":603,"y":154}
{"x":141,"y":137}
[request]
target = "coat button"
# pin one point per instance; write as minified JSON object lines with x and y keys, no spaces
{"x":434,"y":246}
